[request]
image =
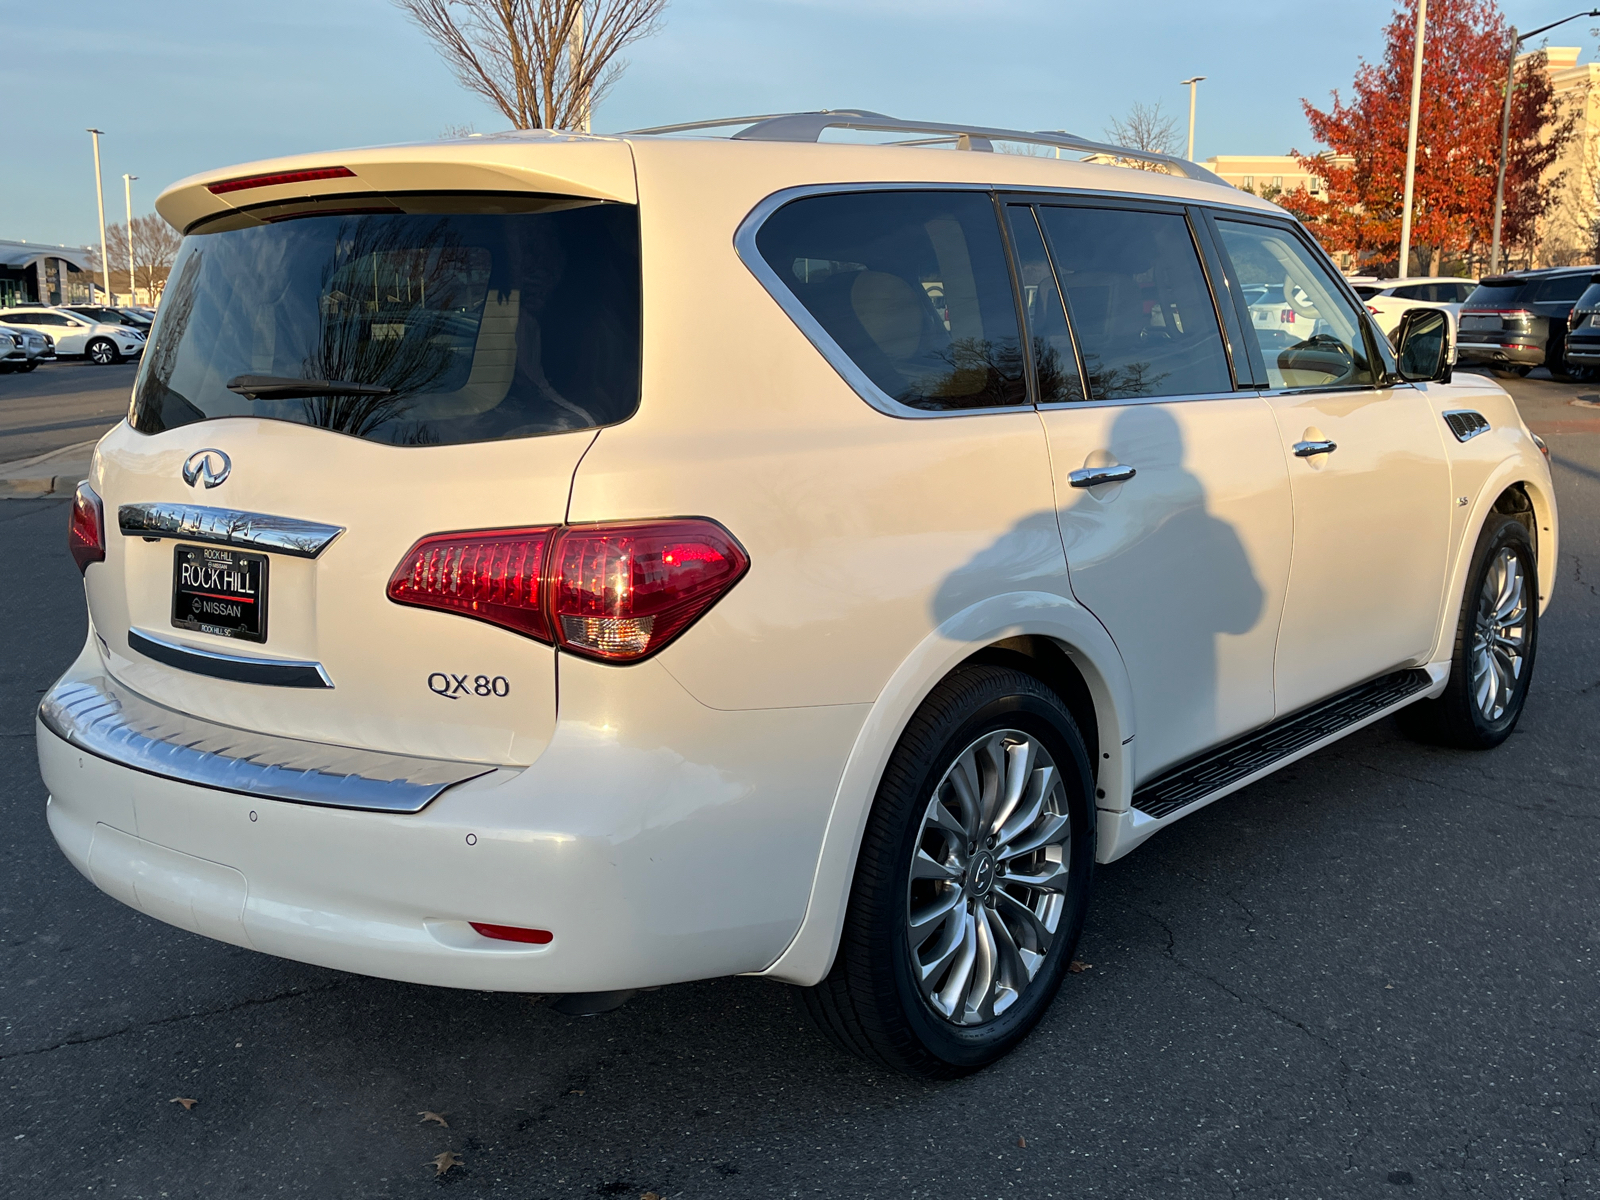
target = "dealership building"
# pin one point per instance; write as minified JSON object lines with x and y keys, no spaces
{"x":37,"y":273}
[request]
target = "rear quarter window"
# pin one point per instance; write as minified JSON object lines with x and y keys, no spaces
{"x":440,"y":325}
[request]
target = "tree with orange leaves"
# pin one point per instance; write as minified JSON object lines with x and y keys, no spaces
{"x":1458,"y":142}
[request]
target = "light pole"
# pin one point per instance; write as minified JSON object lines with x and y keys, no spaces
{"x":1514,"y":40}
{"x":127,"y":197}
{"x":100,"y":195}
{"x":1190,"y":84}
{"x":1411,"y":140}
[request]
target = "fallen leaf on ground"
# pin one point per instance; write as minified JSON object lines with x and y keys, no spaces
{"x":185,"y":1101}
{"x":648,"y":1196}
{"x":574,"y":1091}
{"x":445,"y":1161}
{"x":1388,"y":987}
{"x":1077,"y":967}
{"x":433,"y":1116}
{"x":1023,"y":1142}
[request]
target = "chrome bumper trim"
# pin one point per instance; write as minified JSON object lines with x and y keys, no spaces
{"x":227,"y":527}
{"x":102,"y":718}
{"x":241,"y":668}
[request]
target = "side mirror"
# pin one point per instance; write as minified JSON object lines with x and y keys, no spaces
{"x":1423,"y":344}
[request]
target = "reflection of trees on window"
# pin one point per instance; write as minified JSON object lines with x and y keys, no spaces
{"x":159,"y":407}
{"x":1124,"y":381}
{"x":398,"y":309}
{"x":1058,"y":380}
{"x":979,"y":372}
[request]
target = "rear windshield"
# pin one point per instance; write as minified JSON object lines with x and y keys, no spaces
{"x":1590,"y":300}
{"x":1500,"y":295}
{"x":404,"y":327}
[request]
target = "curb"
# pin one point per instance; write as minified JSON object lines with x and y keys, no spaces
{"x":54,"y":473}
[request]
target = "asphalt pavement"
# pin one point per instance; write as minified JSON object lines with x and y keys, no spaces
{"x":1371,"y":975}
{"x":60,"y":404}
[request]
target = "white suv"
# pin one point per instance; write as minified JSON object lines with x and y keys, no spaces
{"x":568,"y":564}
{"x":78,"y":335}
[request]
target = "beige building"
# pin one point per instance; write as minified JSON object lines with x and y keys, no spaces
{"x":1568,"y":234}
{"x":1263,"y":174}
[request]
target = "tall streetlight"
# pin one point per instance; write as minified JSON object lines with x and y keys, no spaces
{"x":1411,"y":139}
{"x":1190,"y":84}
{"x":1513,"y":41}
{"x":100,"y":195}
{"x":127,"y":196}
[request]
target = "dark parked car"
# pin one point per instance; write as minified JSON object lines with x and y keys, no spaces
{"x":1513,"y":323}
{"x":1583,"y":332}
{"x":130,"y":317}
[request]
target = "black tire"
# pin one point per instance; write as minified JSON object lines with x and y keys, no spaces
{"x":102,"y":352}
{"x":32,"y":366}
{"x":870,"y":1003}
{"x":1457,"y":718}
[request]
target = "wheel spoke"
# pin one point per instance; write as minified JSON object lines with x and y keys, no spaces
{"x":965,"y":783}
{"x":941,"y":818}
{"x":1013,"y":907}
{"x":1049,"y":877}
{"x":1040,"y":785}
{"x":978,"y":1005}
{"x":925,"y":866}
{"x":948,"y":998}
{"x":924,"y":922}
{"x":1051,"y":828}
{"x":1019,"y":759}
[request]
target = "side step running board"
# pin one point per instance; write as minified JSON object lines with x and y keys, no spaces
{"x":1234,"y":760}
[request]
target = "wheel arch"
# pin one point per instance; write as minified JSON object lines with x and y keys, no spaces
{"x":1515,"y":490}
{"x":1046,"y":635}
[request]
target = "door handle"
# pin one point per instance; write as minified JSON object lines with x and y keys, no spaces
{"x":1312,"y":449}
{"x":1095,"y":476}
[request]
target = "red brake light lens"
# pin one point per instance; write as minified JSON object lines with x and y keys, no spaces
{"x":514,"y":933}
{"x":255,"y":181}
{"x":86,"y":528}
{"x":616,"y":592}
{"x":622,"y":591}
{"x":493,"y":575}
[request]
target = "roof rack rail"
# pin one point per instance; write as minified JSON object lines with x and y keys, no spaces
{"x":809,"y":127}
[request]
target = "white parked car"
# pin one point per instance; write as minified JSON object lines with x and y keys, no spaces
{"x":76,"y":335}
{"x":1389,"y":300}
{"x":569,"y":564}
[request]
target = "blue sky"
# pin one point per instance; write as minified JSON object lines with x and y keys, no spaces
{"x":186,"y":85}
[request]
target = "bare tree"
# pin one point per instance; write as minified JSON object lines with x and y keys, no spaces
{"x":155,"y":245}
{"x":545,"y":64}
{"x":1145,"y":127}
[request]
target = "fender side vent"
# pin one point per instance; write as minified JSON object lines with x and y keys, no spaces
{"x":1466,"y":424}
{"x":1233,"y":761}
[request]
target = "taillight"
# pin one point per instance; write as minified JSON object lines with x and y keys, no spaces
{"x":622,"y":591}
{"x":615,"y":591}
{"x":278,"y":178}
{"x":86,"y":528}
{"x":493,"y":575}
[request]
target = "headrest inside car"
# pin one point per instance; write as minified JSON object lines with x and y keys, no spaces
{"x":890,"y":310}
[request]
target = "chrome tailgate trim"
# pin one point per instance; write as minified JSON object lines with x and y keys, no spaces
{"x":101,"y":717}
{"x":227,"y":527}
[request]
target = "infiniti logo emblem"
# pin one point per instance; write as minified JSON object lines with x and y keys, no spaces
{"x":209,"y":466}
{"x":983,"y":875}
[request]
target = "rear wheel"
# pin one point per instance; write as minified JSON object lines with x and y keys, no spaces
{"x":102,"y":352}
{"x":972,"y":881}
{"x":1496,"y":639}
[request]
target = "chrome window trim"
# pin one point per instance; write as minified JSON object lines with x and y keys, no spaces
{"x":240,"y":668}
{"x":227,"y":527}
{"x":744,"y":244}
{"x":105,"y":719}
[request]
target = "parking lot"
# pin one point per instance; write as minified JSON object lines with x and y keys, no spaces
{"x":1372,"y":974}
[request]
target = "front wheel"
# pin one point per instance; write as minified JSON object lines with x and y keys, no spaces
{"x":101,"y":352}
{"x":1496,"y":639}
{"x":971,"y":884}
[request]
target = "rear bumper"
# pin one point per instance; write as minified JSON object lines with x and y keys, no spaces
{"x":658,"y":840}
{"x":1513,"y":353}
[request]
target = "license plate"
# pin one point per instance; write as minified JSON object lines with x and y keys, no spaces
{"x":1480,"y":322}
{"x":220,"y":591}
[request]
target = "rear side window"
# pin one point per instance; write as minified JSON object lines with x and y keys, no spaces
{"x":1418,"y":291}
{"x":912,"y":286}
{"x":1139,"y":302}
{"x":410,"y":328}
{"x":1560,"y":288}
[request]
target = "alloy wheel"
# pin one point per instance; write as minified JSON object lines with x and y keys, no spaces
{"x":988,"y":877}
{"x":1500,"y":634}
